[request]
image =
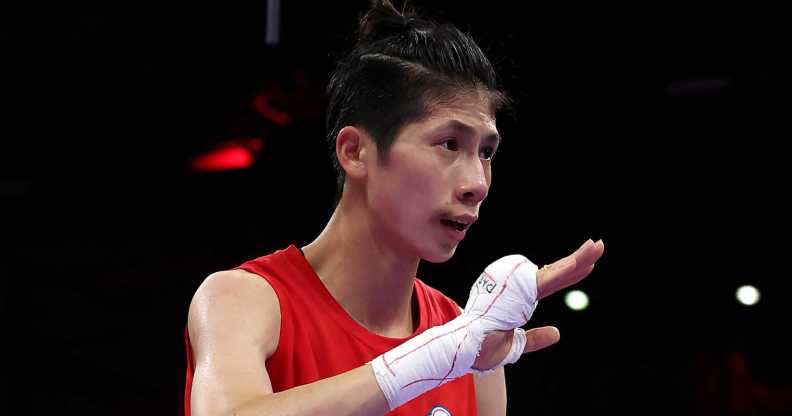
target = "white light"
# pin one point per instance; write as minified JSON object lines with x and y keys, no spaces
{"x":576,"y":300}
{"x":747,"y":295}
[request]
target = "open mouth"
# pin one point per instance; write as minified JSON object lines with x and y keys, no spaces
{"x":457,"y":225}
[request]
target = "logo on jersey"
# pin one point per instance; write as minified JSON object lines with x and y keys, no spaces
{"x":439,"y":411}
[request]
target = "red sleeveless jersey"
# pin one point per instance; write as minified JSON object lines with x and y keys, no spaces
{"x":318,"y":338}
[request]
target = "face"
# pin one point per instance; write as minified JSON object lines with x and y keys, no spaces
{"x":428,"y":191}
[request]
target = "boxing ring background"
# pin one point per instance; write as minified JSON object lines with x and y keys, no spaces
{"x":146,"y":148}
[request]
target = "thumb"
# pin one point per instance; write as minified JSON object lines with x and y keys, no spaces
{"x":542,"y":337}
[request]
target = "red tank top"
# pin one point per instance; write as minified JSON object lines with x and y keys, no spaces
{"x":318,"y":338}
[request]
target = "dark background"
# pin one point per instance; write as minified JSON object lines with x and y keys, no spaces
{"x":661,"y":131}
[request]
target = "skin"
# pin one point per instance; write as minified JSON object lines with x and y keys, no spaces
{"x":367,"y":256}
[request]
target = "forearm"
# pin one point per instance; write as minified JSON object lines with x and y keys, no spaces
{"x":491,"y":394}
{"x":355,"y":392}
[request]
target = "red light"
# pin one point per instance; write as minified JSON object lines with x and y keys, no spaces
{"x":225,"y":158}
{"x":262,"y":104}
{"x":255,"y":144}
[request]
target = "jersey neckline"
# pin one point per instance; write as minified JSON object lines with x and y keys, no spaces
{"x":296,"y":257}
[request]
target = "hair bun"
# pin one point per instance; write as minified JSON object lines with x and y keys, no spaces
{"x":383,"y":21}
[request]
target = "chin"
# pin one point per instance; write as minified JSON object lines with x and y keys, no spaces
{"x":440,"y":256}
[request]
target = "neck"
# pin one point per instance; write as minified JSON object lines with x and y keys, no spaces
{"x":366,"y":276}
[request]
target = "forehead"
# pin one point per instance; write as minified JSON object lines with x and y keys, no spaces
{"x":473,"y":109}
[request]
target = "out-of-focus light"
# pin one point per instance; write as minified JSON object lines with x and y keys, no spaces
{"x":747,"y":295}
{"x":262,"y":104}
{"x":255,"y":144}
{"x":576,"y":300}
{"x":226,"y":158}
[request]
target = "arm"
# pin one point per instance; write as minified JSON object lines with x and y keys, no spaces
{"x":491,"y":394}
{"x":234,"y":324}
{"x":491,"y":391}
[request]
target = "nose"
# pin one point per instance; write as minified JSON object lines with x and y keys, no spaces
{"x":474,"y":185}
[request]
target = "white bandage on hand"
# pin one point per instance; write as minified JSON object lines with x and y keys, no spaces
{"x":503,"y":298}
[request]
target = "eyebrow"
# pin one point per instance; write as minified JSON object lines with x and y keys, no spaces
{"x":493,"y":138}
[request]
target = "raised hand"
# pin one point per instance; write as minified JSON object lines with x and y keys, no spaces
{"x":549,"y":279}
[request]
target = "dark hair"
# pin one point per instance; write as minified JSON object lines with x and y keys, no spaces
{"x":401,"y":65}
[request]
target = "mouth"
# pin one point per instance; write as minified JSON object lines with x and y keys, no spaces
{"x":457,"y":225}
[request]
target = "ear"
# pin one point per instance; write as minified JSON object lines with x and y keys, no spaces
{"x":353,"y":148}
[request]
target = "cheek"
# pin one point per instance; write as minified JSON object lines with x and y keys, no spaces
{"x":413,"y":185}
{"x":423,"y":180}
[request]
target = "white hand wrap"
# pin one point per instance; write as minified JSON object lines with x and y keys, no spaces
{"x":503,"y":298}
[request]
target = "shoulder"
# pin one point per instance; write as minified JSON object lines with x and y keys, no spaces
{"x":234,"y":302}
{"x":241,"y":285}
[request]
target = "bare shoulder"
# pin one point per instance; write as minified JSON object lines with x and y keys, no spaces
{"x":234,"y":303}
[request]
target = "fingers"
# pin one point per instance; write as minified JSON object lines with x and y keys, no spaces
{"x":579,"y":275}
{"x":542,"y":337}
{"x":570,"y":269}
{"x":552,"y":278}
{"x":589,"y":252}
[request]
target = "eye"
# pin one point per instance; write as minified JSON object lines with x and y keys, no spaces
{"x":450,"y":144}
{"x":487,"y":153}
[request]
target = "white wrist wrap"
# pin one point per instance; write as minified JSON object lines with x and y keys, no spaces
{"x":503,"y":298}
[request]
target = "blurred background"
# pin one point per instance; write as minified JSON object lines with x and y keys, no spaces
{"x":146,"y":147}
